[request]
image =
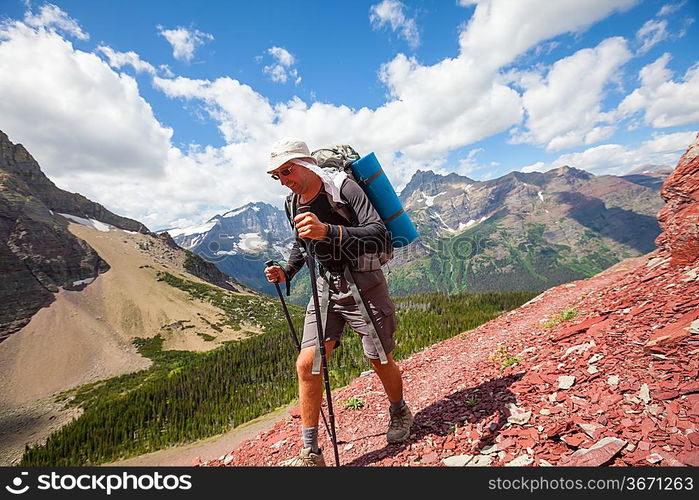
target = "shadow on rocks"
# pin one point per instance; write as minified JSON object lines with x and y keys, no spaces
{"x":473,"y":405}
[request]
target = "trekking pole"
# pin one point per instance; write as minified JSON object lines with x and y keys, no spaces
{"x":271,"y":263}
{"x":294,"y":335}
{"x":310,"y":262}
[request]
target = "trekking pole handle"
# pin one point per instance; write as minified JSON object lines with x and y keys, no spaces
{"x":271,"y":263}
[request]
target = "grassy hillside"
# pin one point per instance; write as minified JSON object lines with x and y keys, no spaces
{"x":498,"y":254}
{"x":187,"y":396}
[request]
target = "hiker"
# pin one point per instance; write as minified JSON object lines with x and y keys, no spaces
{"x":338,"y":245}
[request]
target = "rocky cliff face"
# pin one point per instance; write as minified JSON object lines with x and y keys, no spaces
{"x":679,"y":218}
{"x":16,"y":160}
{"x":39,"y":256}
{"x":37,"y":253}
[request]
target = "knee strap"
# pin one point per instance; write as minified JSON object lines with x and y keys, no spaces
{"x":366,"y":316}
{"x":324,"y":292}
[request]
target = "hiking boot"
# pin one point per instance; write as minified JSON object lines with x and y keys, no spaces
{"x":399,"y":428}
{"x":305,"y":459}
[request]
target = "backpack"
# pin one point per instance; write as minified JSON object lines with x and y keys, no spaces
{"x":339,"y":158}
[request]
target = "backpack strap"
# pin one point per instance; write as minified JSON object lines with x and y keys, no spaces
{"x":343,"y":209}
{"x":324,"y":297}
{"x":373,"y":335}
{"x":290,"y":205}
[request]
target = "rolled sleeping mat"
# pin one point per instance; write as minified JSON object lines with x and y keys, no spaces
{"x":369,"y":174}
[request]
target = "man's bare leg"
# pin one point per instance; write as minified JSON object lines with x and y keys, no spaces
{"x":390,"y":378}
{"x":401,"y":416}
{"x":310,"y":386}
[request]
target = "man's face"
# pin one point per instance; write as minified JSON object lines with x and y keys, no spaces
{"x":292,"y":176}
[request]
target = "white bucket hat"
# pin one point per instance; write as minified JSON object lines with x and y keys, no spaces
{"x":295,"y":150}
{"x":287,"y":149}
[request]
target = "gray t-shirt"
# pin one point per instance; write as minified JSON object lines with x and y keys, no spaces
{"x":346,"y":240}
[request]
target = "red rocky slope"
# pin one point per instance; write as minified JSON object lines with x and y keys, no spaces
{"x":617,"y":385}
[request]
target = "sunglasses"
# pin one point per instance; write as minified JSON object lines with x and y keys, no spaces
{"x":283,"y":173}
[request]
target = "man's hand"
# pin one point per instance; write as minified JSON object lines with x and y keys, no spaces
{"x":308,"y":226}
{"x":275,"y":274}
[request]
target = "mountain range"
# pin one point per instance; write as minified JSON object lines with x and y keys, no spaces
{"x":520,"y":231}
{"x":239,"y":241}
{"x":524,"y":230}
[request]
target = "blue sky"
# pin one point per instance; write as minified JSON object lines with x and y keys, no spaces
{"x":163,"y":111}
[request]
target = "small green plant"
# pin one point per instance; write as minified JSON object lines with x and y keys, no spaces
{"x":471,"y":402}
{"x":569,"y":314}
{"x":502,"y":358}
{"x":509,"y":362}
{"x":215,"y":326}
{"x":565,"y":315}
{"x":354,"y":403}
{"x":206,"y":337}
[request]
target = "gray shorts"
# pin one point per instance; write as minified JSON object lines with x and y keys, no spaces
{"x":342,"y":309}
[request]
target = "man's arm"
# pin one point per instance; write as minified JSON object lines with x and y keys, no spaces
{"x":295,"y":262}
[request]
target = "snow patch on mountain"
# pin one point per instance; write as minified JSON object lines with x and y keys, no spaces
{"x":192,"y":230}
{"x":86,"y":281}
{"x":252,"y":243}
{"x":429,"y":200}
{"x":93,"y":223}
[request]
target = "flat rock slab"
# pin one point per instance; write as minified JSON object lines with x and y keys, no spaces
{"x":600,"y":453}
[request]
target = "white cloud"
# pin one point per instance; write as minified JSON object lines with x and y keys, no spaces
{"x":184,"y":42}
{"x":539,"y":166}
{"x":282,"y":56}
{"x":686,"y":23}
{"x":192,"y":186}
{"x":432,"y":110}
{"x":616,"y":159}
{"x":663,"y":101}
{"x":243,"y":114}
{"x":650,"y":34}
{"x":276,"y":72}
{"x":166,"y":71}
{"x":670,"y":8}
{"x":53,"y":18}
{"x":495,"y":23}
{"x":92,"y":133}
{"x":281,"y":70}
{"x":391,"y":12}
{"x":564,"y":107}
{"x":120,"y":59}
{"x":469,"y":164}
{"x":71,"y":110}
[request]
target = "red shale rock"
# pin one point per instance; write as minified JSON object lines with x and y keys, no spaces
{"x":680,"y":236}
{"x":579,"y":328}
{"x":673,"y":333}
{"x":690,"y":458}
{"x":599,"y":454}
